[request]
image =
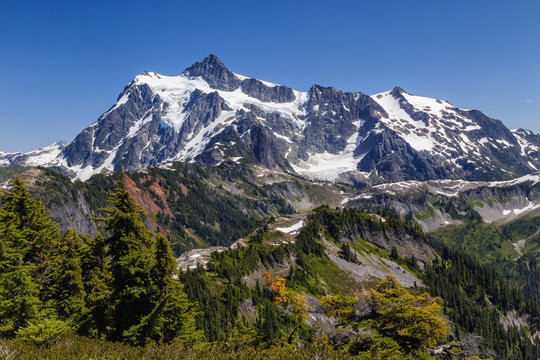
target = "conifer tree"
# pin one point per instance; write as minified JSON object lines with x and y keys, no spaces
{"x":146,"y":302}
{"x":67,"y":290}
{"x":179,"y":313}
{"x":38,"y":233}
{"x":130,"y":250}
{"x":269,"y":324}
{"x":165,"y":264}
{"x":414,"y":321}
{"x":97,"y":278}
{"x":19,"y":298}
{"x":27,"y":237}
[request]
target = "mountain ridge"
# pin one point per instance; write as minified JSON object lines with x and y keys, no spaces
{"x":209,"y":114}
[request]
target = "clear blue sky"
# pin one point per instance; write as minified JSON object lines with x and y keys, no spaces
{"x":63,"y":63}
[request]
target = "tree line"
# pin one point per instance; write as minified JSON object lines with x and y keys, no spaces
{"x":118,"y":287}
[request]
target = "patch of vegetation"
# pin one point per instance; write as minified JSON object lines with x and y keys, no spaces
{"x":475,"y":297}
{"x":200,"y":214}
{"x":335,"y":280}
{"x":346,"y":253}
{"x":363,"y":246}
{"x":425,"y":214}
{"x":480,"y":204}
{"x":8,"y":172}
{"x":494,"y":245}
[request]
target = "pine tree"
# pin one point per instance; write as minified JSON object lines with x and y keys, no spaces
{"x":179,"y":313}
{"x":97,"y":279}
{"x":67,"y":290}
{"x":38,"y":233}
{"x":27,"y":237}
{"x":130,"y":250}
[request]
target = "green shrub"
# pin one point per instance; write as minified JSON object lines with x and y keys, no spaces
{"x":44,"y":333}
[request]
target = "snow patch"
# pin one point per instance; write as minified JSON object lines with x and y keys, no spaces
{"x":326,"y":166}
{"x":291,"y":229}
{"x":176,"y":90}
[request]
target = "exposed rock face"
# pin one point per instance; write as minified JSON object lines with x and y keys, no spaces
{"x":117,"y":140}
{"x":395,"y":159}
{"x":212,"y":70}
{"x":529,"y":143}
{"x":437,"y":203}
{"x":258,"y":90}
{"x":209,"y":114}
{"x":334,"y":117}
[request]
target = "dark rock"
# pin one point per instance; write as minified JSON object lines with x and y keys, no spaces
{"x":217,"y":75}
{"x":258,"y":90}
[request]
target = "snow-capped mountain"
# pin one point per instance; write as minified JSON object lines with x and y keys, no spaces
{"x":209,"y":114}
{"x":47,"y":156}
{"x":437,"y":203}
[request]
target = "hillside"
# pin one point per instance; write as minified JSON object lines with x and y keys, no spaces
{"x":293,"y":279}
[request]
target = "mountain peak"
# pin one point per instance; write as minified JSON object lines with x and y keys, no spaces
{"x":396,"y":91}
{"x":209,"y":114}
{"x":212,"y":59}
{"x":215,"y":73}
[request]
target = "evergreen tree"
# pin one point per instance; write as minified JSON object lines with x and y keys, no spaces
{"x":269,"y":323}
{"x":348,"y":254}
{"x":19,"y":299}
{"x":130,"y":251}
{"x":97,"y":278}
{"x":27,"y":237}
{"x":178,"y":312}
{"x":394,"y":253}
{"x":38,"y":233}
{"x":67,"y":288}
{"x":165,"y":264}
{"x":146,"y":302}
{"x":413,"y":321}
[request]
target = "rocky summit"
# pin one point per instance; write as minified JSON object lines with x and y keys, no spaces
{"x":209,"y":114}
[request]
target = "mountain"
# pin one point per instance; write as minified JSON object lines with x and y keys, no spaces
{"x":46,"y":156}
{"x":195,"y":206}
{"x":445,"y":200}
{"x":437,"y":203}
{"x":496,"y":221}
{"x":209,"y":114}
{"x":317,"y":255}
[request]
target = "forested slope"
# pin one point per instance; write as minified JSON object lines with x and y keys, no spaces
{"x":322,"y":289}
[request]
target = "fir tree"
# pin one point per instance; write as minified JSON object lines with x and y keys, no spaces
{"x":269,"y":323}
{"x":67,"y":288}
{"x":130,"y":252}
{"x":348,"y":254}
{"x":97,"y":278}
{"x":146,"y":302}
{"x":19,"y":299}
{"x":179,"y":313}
{"x":38,"y":233}
{"x":165,"y":264}
{"x":27,"y":237}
